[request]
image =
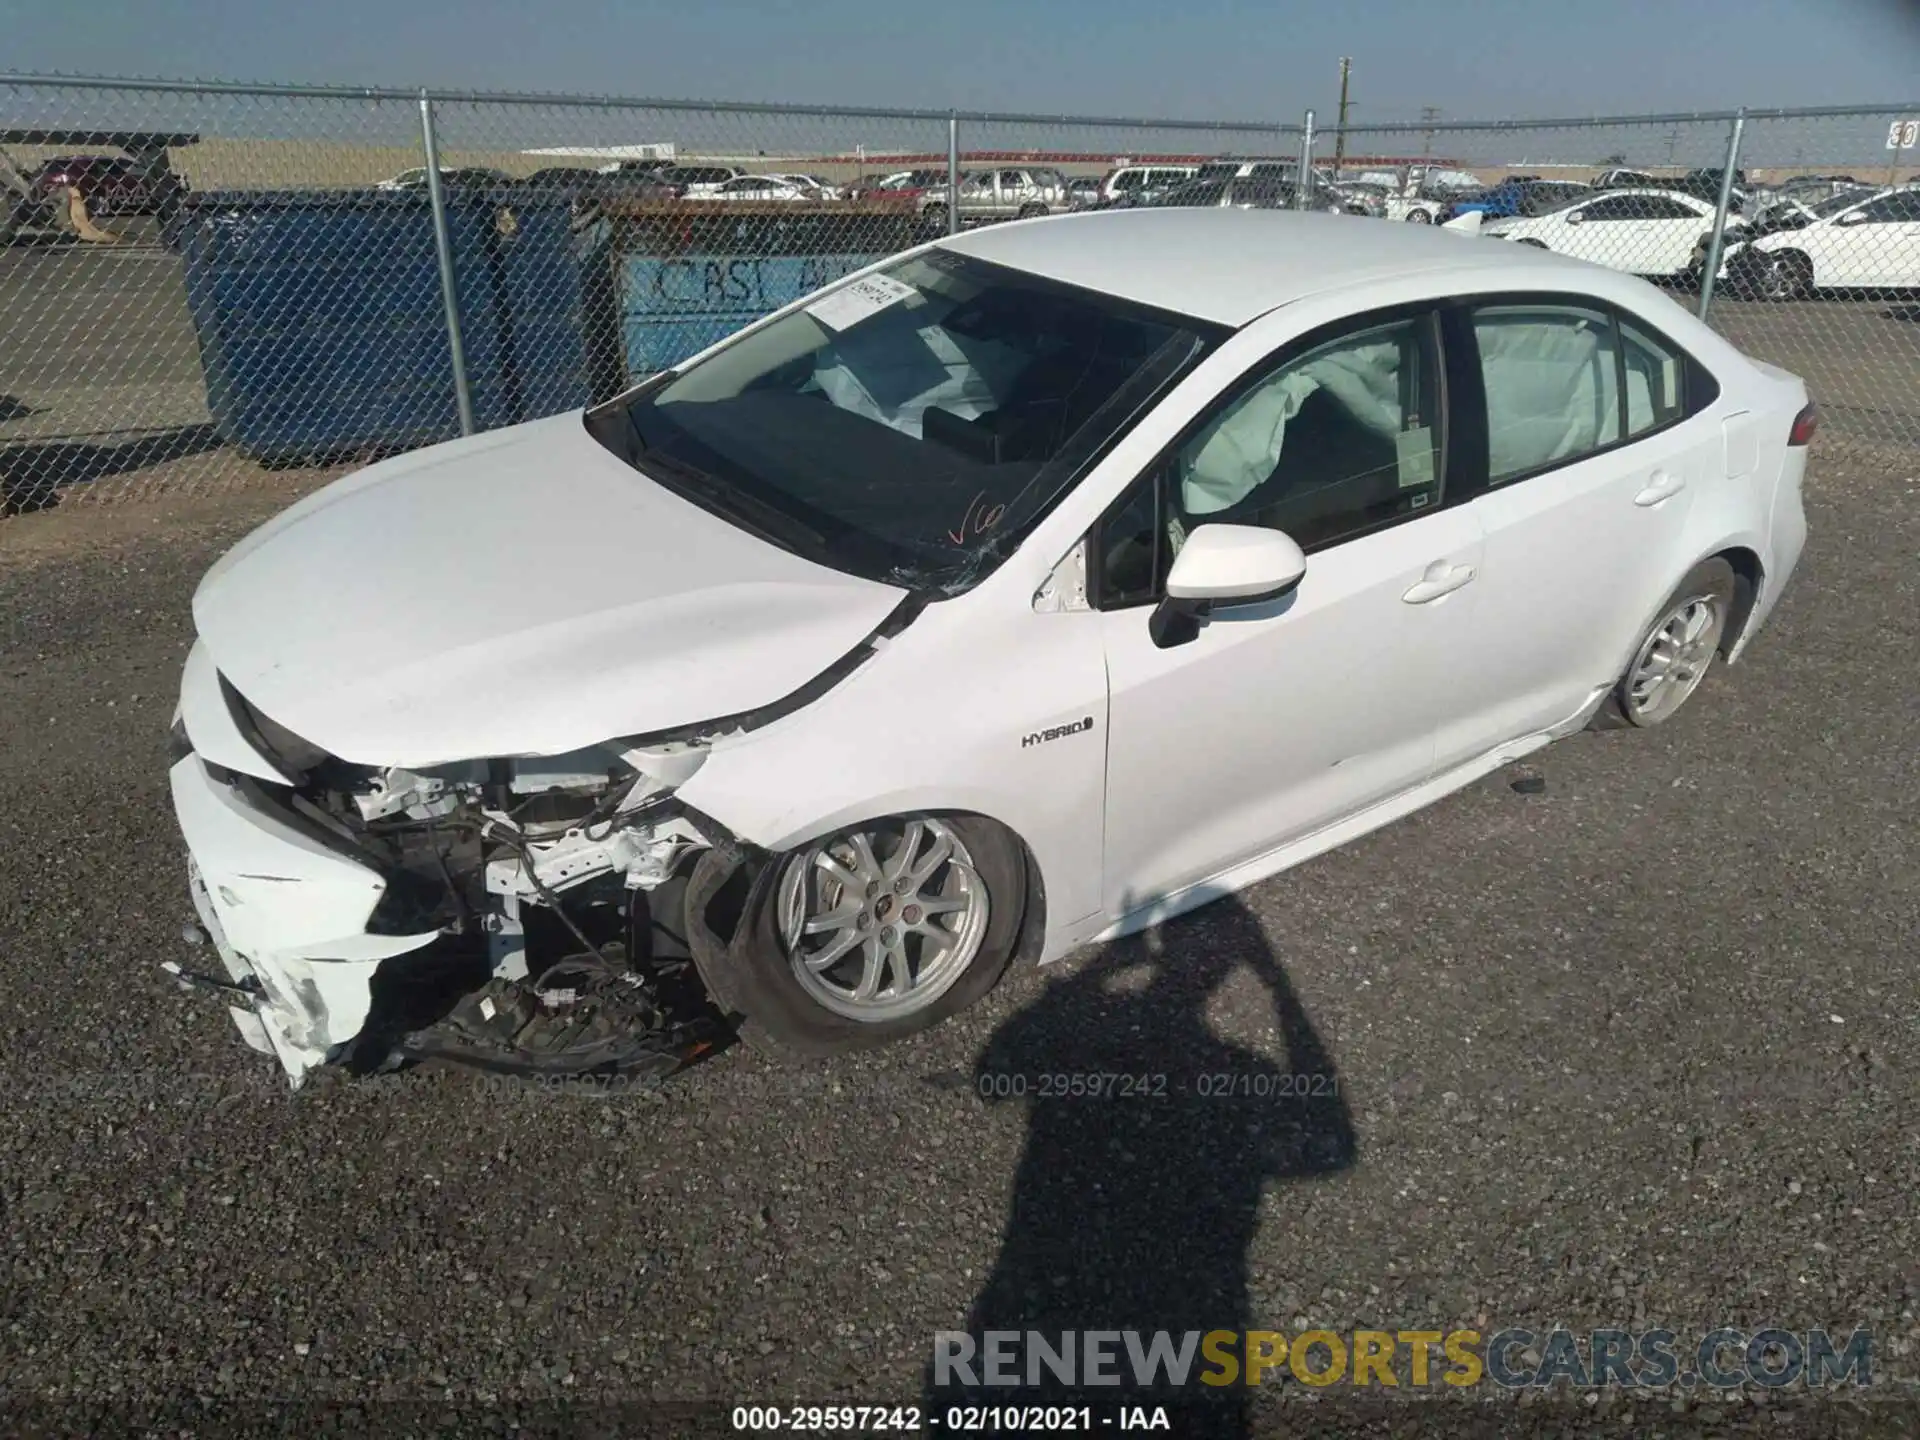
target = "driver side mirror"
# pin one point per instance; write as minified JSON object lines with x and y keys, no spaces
{"x":1575,"y":217}
{"x":1852,"y":217}
{"x":1221,"y":566}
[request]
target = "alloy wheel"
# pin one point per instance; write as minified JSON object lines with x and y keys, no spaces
{"x":1674,"y":658}
{"x":880,"y":922}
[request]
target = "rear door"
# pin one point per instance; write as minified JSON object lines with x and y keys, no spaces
{"x":1641,"y":234}
{"x":1598,"y":437}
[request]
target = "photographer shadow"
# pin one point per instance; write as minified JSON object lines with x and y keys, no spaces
{"x":1134,"y":1210}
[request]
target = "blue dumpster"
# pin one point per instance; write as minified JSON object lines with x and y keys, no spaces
{"x":691,"y":273}
{"x":322,"y":329}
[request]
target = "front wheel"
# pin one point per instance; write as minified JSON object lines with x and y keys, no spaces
{"x":871,"y":934}
{"x":1032,"y":212}
{"x":1786,"y":276}
{"x":1677,"y":650}
{"x":1419,"y":217}
{"x":1529,"y":240}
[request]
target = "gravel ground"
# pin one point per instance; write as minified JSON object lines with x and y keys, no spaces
{"x":1636,"y":1050}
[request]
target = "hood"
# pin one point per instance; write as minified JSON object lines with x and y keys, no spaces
{"x":522,"y":592}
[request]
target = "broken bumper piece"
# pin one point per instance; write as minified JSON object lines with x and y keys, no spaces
{"x":288,"y":912}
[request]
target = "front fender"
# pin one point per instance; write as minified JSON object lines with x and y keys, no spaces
{"x":1009,"y":725}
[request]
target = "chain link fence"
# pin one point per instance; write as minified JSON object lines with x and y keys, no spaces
{"x":202,"y":282}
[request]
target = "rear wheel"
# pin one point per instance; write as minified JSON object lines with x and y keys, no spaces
{"x":1032,"y":212}
{"x":1529,"y":240}
{"x":1419,"y":217}
{"x":868,"y":935}
{"x":1677,"y":650}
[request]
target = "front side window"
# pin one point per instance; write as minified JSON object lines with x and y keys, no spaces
{"x":1552,"y":381}
{"x":911,"y":425}
{"x":1328,"y":444}
{"x":1128,"y":180}
{"x":1326,"y":447}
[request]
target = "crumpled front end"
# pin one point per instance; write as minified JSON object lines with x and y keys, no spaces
{"x":315,"y":878}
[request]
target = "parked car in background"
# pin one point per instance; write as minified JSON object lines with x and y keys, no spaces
{"x":816,"y":187}
{"x":1660,"y":233}
{"x":475,"y":176}
{"x":903,"y":185}
{"x":1625,"y":180}
{"x":1706,"y":184}
{"x":109,"y":184}
{"x":1014,"y":192}
{"x":1801,"y":208}
{"x":1143,"y":179}
{"x":1869,"y":244}
{"x":1421,"y":194}
{"x":754,"y":187}
{"x":1360,"y":197}
{"x":573,"y":178}
{"x":1084,"y":191}
{"x":1517,"y":197}
{"x":1242,"y":192}
{"x":1181,"y":501}
{"x":693,"y":179}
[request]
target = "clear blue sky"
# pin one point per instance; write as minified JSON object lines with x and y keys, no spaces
{"x":1226,"y":58}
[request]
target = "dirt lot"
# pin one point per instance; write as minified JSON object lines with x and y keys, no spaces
{"x":1638,"y":1050}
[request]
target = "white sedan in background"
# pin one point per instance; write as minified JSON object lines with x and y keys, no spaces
{"x":1661,"y":233}
{"x":1866,"y":242}
{"x":1020,"y":591}
{"x":752,"y":187}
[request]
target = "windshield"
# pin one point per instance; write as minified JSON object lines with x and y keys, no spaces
{"x":910,"y":426}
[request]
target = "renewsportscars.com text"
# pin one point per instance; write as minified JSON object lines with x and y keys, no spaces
{"x":1513,"y":1358}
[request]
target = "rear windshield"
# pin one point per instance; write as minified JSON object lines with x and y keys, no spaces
{"x":910,"y":426}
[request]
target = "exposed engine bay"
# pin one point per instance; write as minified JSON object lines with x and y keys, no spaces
{"x":542,"y":900}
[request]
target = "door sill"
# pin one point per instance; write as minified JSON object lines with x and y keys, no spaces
{"x":1236,"y":878}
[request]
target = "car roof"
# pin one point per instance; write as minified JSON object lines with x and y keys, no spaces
{"x":1230,"y":266}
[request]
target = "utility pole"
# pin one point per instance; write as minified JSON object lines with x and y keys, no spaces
{"x":1428,"y":114}
{"x":1340,"y":132}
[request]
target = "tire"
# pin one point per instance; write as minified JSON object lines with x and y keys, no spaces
{"x":1786,"y":275}
{"x":1032,"y":212}
{"x":1529,"y":240}
{"x":787,"y":1007}
{"x":1419,"y":217}
{"x":1690,"y":627}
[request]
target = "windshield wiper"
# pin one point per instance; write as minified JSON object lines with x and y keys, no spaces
{"x":729,"y":501}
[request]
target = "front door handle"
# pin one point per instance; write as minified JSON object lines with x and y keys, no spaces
{"x":1441,"y":579}
{"x":1662,"y":485}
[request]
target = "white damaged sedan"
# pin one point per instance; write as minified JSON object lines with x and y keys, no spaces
{"x":1024,"y":590}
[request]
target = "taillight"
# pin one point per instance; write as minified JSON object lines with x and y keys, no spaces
{"x":1804,"y":424}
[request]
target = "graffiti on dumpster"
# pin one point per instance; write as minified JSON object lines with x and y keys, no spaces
{"x":674,"y":308}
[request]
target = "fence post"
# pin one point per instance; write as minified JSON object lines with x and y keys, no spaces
{"x":953,"y":173}
{"x":1714,"y":244}
{"x":443,"y":250}
{"x":1303,"y":177}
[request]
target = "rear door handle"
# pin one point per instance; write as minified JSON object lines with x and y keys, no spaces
{"x":1441,"y":579}
{"x":1663,"y":485}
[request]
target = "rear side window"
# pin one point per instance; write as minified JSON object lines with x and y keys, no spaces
{"x":1552,"y":379}
{"x":1566,"y":379}
{"x":1656,"y":380}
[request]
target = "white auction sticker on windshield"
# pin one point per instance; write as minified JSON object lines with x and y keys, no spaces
{"x":851,"y":304}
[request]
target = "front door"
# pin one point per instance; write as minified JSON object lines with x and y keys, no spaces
{"x":1279,"y":719}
